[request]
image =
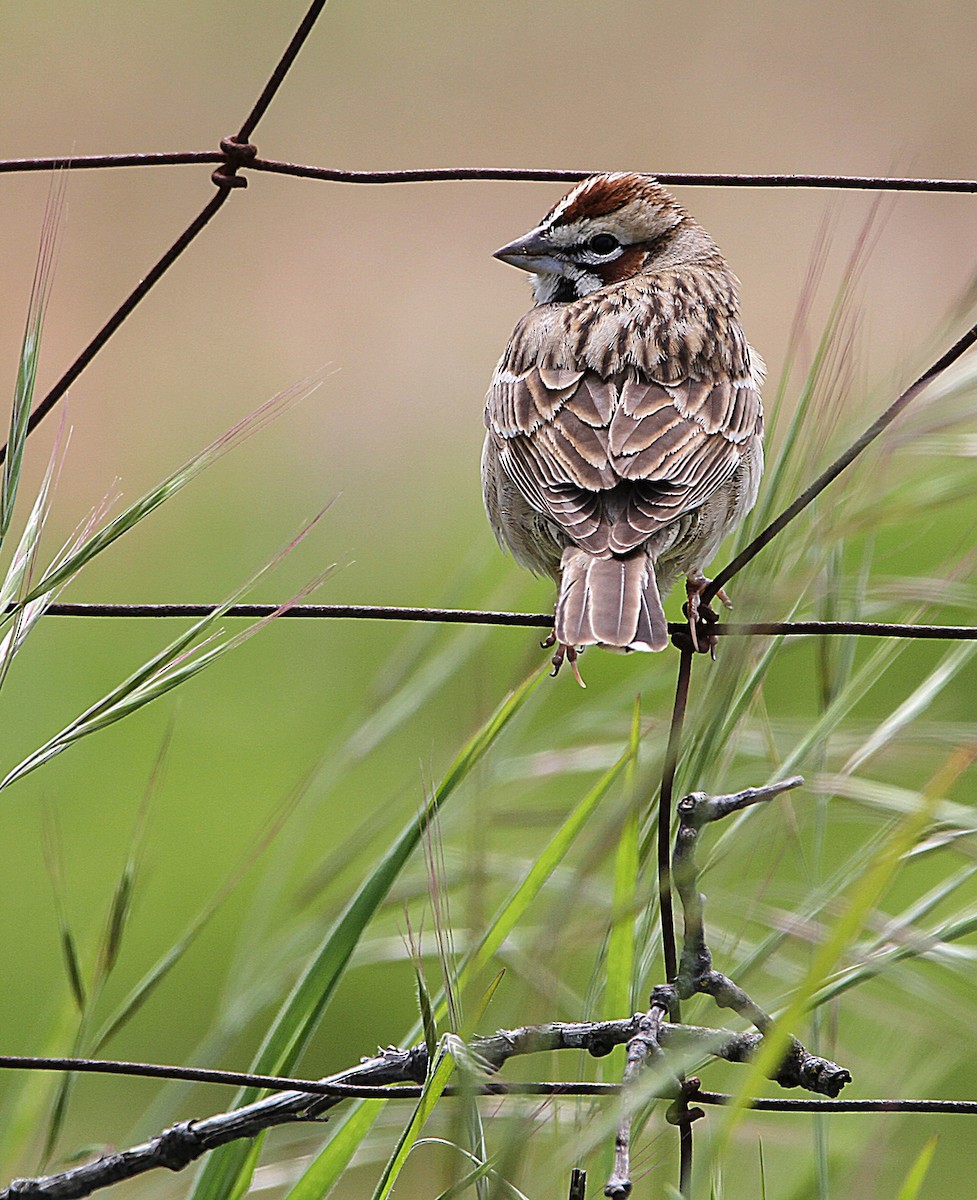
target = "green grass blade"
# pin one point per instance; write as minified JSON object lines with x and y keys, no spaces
{"x":30,"y":350}
{"x":620,"y":946}
{"x":54,"y":860}
{"x":303,"y":1008}
{"x":482,"y":1170}
{"x":252,"y":1155}
{"x":175,"y":482}
{"x":874,"y":965}
{"x":862,"y":898}
{"x":871,"y":671}
{"x":513,"y":909}
{"x":436,"y":1082}
{"x":913,"y":1183}
{"x":427,"y":1011}
{"x":478,"y":1174}
{"x":171,"y":667}
{"x":147,"y":985}
{"x":332,"y":1161}
{"x":922,"y":697}
{"x":17,"y":581}
{"x":330,"y":1164}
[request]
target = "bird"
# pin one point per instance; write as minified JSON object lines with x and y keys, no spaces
{"x":624,"y":424}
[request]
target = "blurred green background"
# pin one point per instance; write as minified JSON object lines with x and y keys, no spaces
{"x":394,"y":288}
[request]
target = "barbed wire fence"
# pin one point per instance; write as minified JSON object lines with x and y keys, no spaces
{"x":398,"y":1074}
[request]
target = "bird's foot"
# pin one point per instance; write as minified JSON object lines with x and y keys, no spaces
{"x":564,"y":653}
{"x":702,"y":618}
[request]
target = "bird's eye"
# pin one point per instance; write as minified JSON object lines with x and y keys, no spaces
{"x":603,"y":243}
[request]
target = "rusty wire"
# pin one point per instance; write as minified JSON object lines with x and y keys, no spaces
{"x":875,"y":183}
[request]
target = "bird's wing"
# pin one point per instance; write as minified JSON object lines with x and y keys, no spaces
{"x":613,"y":460}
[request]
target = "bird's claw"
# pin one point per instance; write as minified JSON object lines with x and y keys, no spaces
{"x":563,"y":654}
{"x":701,"y":616}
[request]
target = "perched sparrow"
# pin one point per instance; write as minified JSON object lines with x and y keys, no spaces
{"x":624,"y":419}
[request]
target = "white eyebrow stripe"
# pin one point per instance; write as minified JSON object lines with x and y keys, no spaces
{"x":582,"y":186}
{"x":566,"y":202}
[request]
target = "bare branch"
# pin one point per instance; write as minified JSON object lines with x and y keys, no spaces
{"x":696,"y":974}
{"x":177,"y":1147}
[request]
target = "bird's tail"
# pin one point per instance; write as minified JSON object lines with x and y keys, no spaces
{"x":612,"y":602}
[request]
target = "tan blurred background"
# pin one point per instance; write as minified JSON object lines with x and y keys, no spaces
{"x":395,"y":288}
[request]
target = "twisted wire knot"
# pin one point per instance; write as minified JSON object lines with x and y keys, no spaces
{"x":237,"y":154}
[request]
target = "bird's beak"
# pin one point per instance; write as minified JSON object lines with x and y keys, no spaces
{"x":532,"y":252}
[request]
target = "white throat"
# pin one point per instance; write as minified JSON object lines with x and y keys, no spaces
{"x":564,"y":286}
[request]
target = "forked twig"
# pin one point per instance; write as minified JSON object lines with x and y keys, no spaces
{"x":695,"y":974}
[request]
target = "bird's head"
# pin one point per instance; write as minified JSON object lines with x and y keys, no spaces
{"x":607,"y":229}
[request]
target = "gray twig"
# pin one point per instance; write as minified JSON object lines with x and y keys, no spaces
{"x":696,"y":973}
{"x":177,"y":1147}
{"x":645,"y":1044}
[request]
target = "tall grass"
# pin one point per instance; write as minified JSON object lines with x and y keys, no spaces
{"x":846,"y":909}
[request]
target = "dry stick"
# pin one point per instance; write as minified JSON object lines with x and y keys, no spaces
{"x":236,"y":152}
{"x":696,"y":973}
{"x":306,"y":1100}
{"x":578,"y":1185}
{"x":644,"y":1045}
{"x":177,"y":1147}
{"x":685,"y":1152}
{"x":845,"y":460}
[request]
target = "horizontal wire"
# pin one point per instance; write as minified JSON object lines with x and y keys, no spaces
{"x":466,"y":616}
{"x":790,"y":1104}
{"x":672,"y":178}
{"x":494,"y":1088}
{"x":94,"y":161}
{"x":501,"y":174}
